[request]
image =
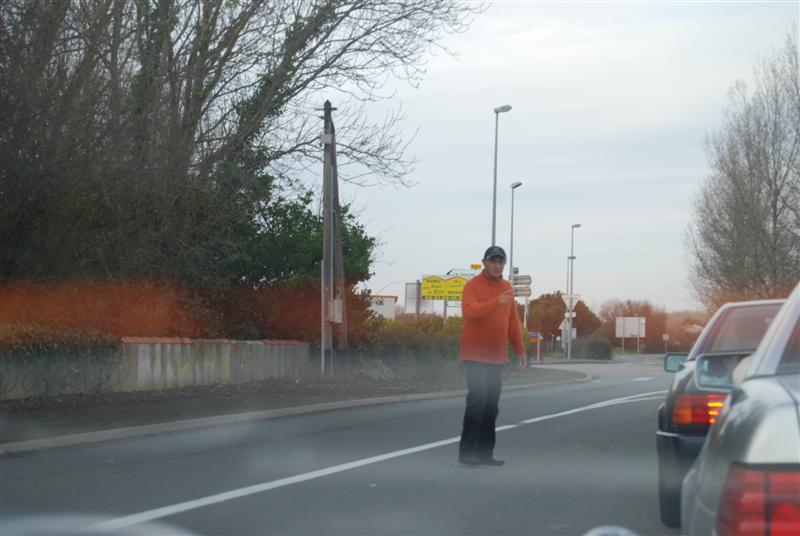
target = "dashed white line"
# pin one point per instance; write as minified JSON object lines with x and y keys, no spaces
{"x":158,"y":513}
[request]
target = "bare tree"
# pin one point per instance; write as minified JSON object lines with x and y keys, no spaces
{"x":137,"y":132}
{"x":745,"y":241}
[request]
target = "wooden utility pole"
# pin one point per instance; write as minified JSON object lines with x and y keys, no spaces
{"x":334,"y":311}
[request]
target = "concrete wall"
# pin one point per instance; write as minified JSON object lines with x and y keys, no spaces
{"x":151,"y":364}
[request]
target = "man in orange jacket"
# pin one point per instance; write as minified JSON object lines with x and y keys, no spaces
{"x":490,"y":322}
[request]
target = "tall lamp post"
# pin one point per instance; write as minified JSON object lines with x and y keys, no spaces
{"x":497,"y":111}
{"x":571,"y":274}
{"x":511,"y":243}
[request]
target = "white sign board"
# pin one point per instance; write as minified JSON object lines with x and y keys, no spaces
{"x":563,"y":329}
{"x":425,"y":306}
{"x":522,"y":280}
{"x":630,"y":326}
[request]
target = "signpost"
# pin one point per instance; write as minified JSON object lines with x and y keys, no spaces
{"x":537,"y":338}
{"x":522,"y":287}
{"x":447,"y":287}
{"x":522,"y":281}
{"x":570,"y":300}
{"x":627,"y":326}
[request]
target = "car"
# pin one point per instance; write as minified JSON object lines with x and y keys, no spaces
{"x":687,"y":412}
{"x":746,"y":479}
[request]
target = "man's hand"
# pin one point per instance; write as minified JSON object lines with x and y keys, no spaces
{"x":505,"y":297}
{"x":523,"y":361}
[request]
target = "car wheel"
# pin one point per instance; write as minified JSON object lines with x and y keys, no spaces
{"x":669,"y":497}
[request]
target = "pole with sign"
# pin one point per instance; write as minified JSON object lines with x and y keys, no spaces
{"x":522,"y":287}
{"x":627,"y":326}
{"x":570,"y":300}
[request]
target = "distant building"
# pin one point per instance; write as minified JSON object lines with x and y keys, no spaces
{"x":382,"y":305}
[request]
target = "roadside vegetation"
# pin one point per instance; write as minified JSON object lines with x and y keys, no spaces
{"x":166,"y":146}
{"x":153,"y":164}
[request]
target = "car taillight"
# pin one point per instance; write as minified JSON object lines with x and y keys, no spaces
{"x":759,"y":501}
{"x":697,"y":409}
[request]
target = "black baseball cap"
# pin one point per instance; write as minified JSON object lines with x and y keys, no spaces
{"x":495,"y":251}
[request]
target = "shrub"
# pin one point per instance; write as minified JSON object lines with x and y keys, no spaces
{"x":425,"y":346}
{"x":31,"y":338}
{"x":33,"y":358}
{"x":594,"y":346}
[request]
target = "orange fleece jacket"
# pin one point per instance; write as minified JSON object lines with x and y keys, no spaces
{"x":488,"y":327}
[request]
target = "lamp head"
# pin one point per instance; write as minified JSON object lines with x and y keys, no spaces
{"x":516,"y":185}
{"x":502,"y":109}
{"x":576,"y":225}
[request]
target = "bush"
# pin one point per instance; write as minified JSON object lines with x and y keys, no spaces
{"x":31,"y":338}
{"x":408,"y":348}
{"x":595,"y":346}
{"x":425,"y":346}
{"x":34,"y":358}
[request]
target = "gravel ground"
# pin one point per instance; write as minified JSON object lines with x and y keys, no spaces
{"x":36,"y":418}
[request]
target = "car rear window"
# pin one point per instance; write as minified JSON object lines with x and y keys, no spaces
{"x":790,"y":361}
{"x":742,"y":328}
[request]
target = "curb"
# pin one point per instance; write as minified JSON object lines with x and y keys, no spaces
{"x":114,"y":434}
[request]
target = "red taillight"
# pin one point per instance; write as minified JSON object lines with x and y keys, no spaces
{"x":760,"y":502}
{"x":697,"y":409}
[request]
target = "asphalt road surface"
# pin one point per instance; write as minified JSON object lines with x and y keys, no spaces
{"x":578,"y":456}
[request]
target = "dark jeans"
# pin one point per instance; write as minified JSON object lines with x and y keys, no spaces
{"x":484,"y":383}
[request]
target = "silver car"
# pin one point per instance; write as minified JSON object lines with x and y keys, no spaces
{"x":688,"y":411}
{"x":746,"y":479}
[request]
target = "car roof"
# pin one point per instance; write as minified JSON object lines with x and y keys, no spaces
{"x":748,"y":303}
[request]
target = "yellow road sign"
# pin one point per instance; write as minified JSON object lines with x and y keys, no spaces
{"x":435,"y":287}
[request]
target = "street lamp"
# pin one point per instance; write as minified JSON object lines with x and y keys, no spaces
{"x":497,"y":111}
{"x":511,"y":254}
{"x":571,"y":274}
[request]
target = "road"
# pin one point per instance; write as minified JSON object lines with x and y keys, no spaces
{"x":578,"y":456}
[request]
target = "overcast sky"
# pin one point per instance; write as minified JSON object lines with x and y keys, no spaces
{"x":611,"y":102}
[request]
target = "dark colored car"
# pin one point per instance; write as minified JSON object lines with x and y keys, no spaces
{"x":687,"y":412}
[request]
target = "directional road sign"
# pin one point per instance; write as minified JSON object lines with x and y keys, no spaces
{"x":522,"y":280}
{"x":436,"y":287}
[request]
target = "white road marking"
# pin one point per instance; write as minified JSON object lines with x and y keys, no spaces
{"x":158,"y":513}
{"x":642,"y":379}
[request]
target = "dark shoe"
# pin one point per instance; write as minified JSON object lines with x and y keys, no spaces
{"x":469,"y":459}
{"x":491,"y":461}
